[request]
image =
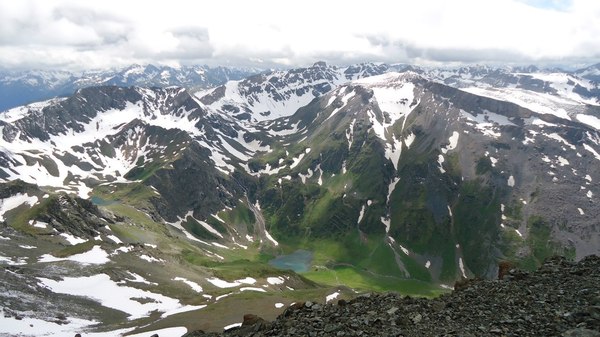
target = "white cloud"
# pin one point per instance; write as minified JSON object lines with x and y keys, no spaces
{"x":76,"y":34}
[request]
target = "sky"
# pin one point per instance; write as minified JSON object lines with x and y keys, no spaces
{"x":80,"y":35}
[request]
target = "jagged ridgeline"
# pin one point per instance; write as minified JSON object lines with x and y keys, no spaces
{"x":370,"y":177}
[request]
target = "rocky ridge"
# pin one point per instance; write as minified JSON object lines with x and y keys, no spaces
{"x":562,"y":298}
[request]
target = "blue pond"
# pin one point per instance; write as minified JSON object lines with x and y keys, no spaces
{"x":101,"y":202}
{"x":298,"y":261}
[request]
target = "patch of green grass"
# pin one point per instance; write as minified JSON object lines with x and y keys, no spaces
{"x":528,"y":262}
{"x":21,"y":216}
{"x":417,"y":271}
{"x":570,"y":253}
{"x":514,"y":210}
{"x":244,"y":268}
{"x":191,"y":225}
{"x":217,"y":225}
{"x":510,"y":243}
{"x":363,"y":280}
{"x":484,"y":165}
{"x":240,"y":214}
{"x":369,"y":168}
{"x":135,"y":194}
{"x":195,"y":258}
{"x":231,"y":309}
{"x":539,"y":240}
{"x":145,"y":171}
{"x":476,"y":223}
{"x":448,"y":273}
{"x":135,"y":215}
{"x":382,"y":261}
{"x":138,"y":226}
{"x":318,"y":209}
{"x":76,"y":249}
{"x":369,"y":253}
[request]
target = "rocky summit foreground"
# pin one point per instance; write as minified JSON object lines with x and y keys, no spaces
{"x":562,"y":298}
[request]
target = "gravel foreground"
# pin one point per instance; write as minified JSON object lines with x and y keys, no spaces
{"x":562,"y":298}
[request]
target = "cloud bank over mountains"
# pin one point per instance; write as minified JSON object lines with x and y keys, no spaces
{"x":82,"y":35}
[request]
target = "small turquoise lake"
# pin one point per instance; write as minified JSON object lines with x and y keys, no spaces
{"x":298,"y":261}
{"x":101,"y":202}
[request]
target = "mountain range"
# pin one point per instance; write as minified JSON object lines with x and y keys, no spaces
{"x":29,"y":86}
{"x":366,"y":177}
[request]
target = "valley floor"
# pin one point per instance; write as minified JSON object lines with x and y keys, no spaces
{"x":560,"y":299}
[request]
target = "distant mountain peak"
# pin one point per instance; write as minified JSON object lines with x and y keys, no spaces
{"x":23,"y":87}
{"x":389,"y":79}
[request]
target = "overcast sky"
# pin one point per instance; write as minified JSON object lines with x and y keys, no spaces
{"x":78,"y":35}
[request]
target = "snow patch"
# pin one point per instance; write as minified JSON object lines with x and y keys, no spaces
{"x":345,"y":99}
{"x":560,"y":139}
{"x":40,"y":224}
{"x":361,"y":214}
{"x":96,"y":255}
{"x":195,"y":286}
{"x":409,"y":140}
{"x":303,"y":177}
{"x":589,"y":120}
{"x":210,"y":229}
{"x":562,"y":161}
{"x":29,"y":326}
{"x":231,"y":326}
{"x":542,"y":103}
{"x":393,"y":151}
{"x":187,"y":234}
{"x":270,"y":238}
{"x":511,"y":181}
{"x":114,"y":238}
{"x":166,"y":332}
{"x":73,"y":240}
{"x":591,"y":150}
{"x":15,"y":201}
{"x":462,"y":267}
{"x":112,"y":295}
{"x":275,"y":280}
{"x":137,"y":279}
{"x":151,"y":258}
{"x":225,"y":284}
{"x":440,"y":162}
{"x":331,"y":297}
{"x":453,"y":140}
{"x":253,"y":289}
